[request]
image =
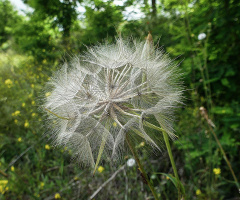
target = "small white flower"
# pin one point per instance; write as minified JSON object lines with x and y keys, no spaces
{"x":131,"y":162}
{"x":202,"y":36}
{"x":110,"y":91}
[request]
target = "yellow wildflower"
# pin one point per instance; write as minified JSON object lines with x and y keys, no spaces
{"x":19,"y":139}
{"x":114,"y":124}
{"x":33,"y":102}
{"x":198,"y":192}
{"x":44,"y":61}
{"x":23,"y":104}
{"x":33,"y":114}
{"x":12,"y":169}
{"x":26,"y":124}
{"x":15,"y":121}
{"x":32,"y":85}
{"x":43,"y":50}
{"x":42,"y":185}
{"x":9,"y":83}
{"x":217,"y":171}
{"x":3,"y":187}
{"x":57,"y":196}
{"x":100,"y":169}
{"x":16,"y":113}
{"x":47,"y":94}
{"x":36,"y":195}
{"x":167,"y":178}
{"x":47,"y":147}
{"x":142,"y":144}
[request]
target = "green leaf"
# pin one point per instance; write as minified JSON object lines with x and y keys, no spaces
{"x":212,"y":80}
{"x":104,"y":139}
{"x":175,"y":182}
{"x":100,"y":152}
{"x":225,"y":82}
{"x":222,"y":110}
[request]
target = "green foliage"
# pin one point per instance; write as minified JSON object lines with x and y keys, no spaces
{"x":63,"y":13}
{"x":9,"y":19}
{"x":102,"y":20}
{"x":37,"y":38}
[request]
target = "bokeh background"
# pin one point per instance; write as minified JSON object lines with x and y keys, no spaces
{"x":37,"y":36}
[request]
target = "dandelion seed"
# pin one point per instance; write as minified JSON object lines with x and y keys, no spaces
{"x":109,"y":92}
{"x":202,"y":36}
{"x":131,"y":162}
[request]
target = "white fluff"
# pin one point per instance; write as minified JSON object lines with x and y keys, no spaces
{"x":109,"y":91}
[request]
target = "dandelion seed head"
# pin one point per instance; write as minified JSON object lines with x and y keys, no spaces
{"x":107,"y":92}
{"x":130,"y":162}
{"x":202,"y":36}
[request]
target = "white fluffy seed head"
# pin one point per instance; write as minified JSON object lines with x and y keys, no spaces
{"x":108,"y":92}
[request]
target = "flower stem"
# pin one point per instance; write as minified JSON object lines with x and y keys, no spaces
{"x":225,"y":156}
{"x":141,"y":167}
{"x":209,"y":122}
{"x":165,"y":135}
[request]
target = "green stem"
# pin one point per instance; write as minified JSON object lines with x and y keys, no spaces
{"x":225,"y":157}
{"x":141,"y":167}
{"x":165,"y":135}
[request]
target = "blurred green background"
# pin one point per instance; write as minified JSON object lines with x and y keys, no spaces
{"x":204,"y":35}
